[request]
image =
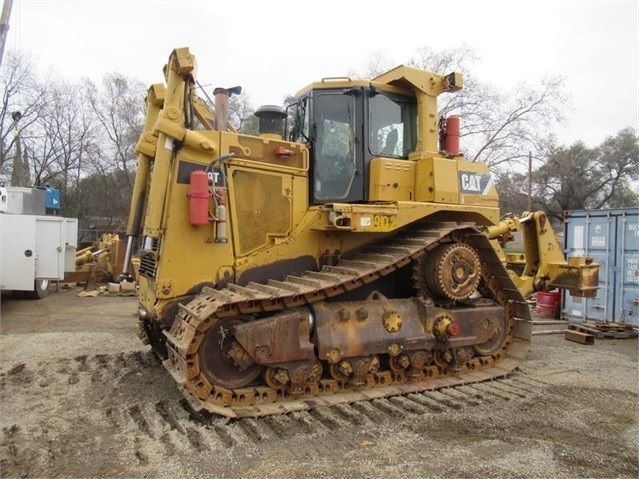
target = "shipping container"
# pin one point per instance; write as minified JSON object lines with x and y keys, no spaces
{"x":611,"y":237}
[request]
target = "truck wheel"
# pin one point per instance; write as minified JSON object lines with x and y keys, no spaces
{"x":40,"y":289}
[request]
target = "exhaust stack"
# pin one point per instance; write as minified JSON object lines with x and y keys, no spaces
{"x":222,"y":96}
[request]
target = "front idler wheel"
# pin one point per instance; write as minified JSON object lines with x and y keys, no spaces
{"x":223,"y":361}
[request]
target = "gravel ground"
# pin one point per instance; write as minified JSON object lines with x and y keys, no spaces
{"x":81,"y":397}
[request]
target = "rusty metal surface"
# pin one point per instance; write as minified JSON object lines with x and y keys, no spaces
{"x":453,"y":271}
{"x":276,"y":339}
{"x":580,"y":276}
{"x":362,"y":327}
{"x":579,"y":337}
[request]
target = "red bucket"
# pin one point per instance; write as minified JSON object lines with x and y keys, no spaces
{"x":549,"y":304}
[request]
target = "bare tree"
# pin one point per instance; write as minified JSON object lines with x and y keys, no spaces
{"x":119,"y":110}
{"x":59,"y":140}
{"x":376,"y":63}
{"x":241,"y":114}
{"x":498,"y":128}
{"x":20,"y":174}
{"x":23,"y":98}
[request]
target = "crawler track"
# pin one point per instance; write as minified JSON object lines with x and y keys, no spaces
{"x":203,"y":313}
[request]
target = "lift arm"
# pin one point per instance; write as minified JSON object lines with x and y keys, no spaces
{"x":544,"y":264}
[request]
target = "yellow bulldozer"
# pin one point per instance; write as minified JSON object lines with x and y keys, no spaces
{"x":346,"y":252}
{"x":99,"y":262}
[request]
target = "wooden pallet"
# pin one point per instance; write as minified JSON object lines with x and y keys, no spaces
{"x":605,"y":330}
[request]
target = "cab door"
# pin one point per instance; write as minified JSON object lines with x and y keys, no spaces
{"x":337,"y":152}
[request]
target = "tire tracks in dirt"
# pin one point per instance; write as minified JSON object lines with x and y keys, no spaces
{"x":117,"y":385}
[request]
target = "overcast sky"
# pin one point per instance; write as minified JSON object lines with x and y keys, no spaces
{"x":274,"y":48}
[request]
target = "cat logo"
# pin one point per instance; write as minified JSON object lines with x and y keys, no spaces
{"x":214,"y":177}
{"x":477,"y":183}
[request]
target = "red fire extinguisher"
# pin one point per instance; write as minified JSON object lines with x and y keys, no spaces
{"x":199,"y":198}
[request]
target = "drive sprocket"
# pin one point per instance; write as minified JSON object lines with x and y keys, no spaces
{"x":451,"y":271}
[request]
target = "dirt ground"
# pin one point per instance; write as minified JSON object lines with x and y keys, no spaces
{"x":81,"y":397}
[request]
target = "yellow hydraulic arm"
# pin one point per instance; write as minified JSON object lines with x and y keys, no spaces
{"x":545,"y":266}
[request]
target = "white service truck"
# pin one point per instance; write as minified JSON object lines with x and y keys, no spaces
{"x":34,"y":248}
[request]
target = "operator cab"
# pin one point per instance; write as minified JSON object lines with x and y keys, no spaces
{"x":347,"y":125}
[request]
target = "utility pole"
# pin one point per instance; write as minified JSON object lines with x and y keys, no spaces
{"x":4,"y":25}
{"x":530,"y":181}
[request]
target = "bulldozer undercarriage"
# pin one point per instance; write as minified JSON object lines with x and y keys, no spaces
{"x":291,"y":345}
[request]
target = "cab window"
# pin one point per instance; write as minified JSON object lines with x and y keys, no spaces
{"x":393,"y":125}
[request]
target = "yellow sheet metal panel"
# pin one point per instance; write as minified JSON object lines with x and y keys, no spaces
{"x":424,"y":185}
{"x":262,"y":208}
{"x":445,"y":187}
{"x":391,"y":180}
